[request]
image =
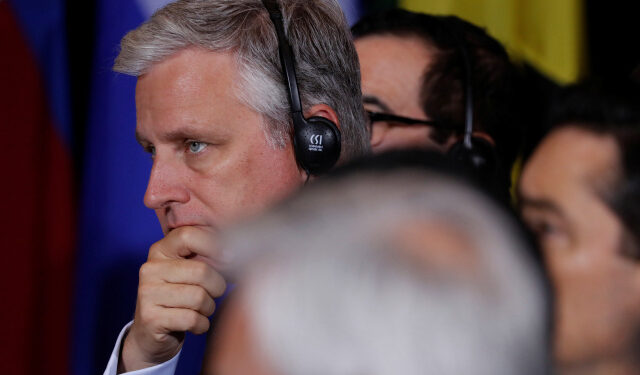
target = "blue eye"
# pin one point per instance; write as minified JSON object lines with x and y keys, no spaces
{"x":196,"y":147}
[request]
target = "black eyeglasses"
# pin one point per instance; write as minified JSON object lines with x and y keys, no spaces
{"x":395,"y":119}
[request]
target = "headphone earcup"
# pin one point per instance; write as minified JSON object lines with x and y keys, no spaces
{"x":317,"y":144}
{"x":479,"y":160}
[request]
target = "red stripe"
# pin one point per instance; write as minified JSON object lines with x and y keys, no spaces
{"x":36,"y":220}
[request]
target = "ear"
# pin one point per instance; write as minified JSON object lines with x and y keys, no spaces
{"x":323,"y":110}
{"x":484,"y":136}
{"x":304,"y":177}
{"x":457,"y":138}
{"x":377,"y":136}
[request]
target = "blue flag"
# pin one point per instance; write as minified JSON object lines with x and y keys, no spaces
{"x":115,"y":229}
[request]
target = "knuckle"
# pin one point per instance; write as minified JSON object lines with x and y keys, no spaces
{"x":192,"y":319}
{"x":145,"y":271}
{"x":200,"y":270}
{"x":201,"y":297}
{"x":201,"y":326}
{"x":210,"y":308}
{"x":147,"y":316}
{"x":154,"y":249}
{"x":183,"y":234}
{"x":220,"y":286}
{"x":205,"y":326}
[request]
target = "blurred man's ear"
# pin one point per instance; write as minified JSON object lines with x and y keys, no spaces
{"x":478,"y":134}
{"x":484,"y":136}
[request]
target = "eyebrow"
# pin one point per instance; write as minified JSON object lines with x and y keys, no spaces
{"x":374,"y":100}
{"x":540,"y":204}
{"x":184,"y":133}
{"x":177,"y":135}
{"x":142,"y":141}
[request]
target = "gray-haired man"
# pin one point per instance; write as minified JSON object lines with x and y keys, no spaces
{"x":213,"y":112}
{"x":404,"y":272}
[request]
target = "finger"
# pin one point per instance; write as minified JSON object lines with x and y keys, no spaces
{"x":183,"y":271}
{"x":170,"y":320}
{"x":183,"y":296}
{"x":186,"y":242}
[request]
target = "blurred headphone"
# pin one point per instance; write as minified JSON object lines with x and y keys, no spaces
{"x":316,"y":140}
{"x":475,"y":154}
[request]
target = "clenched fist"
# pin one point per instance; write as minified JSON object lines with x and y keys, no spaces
{"x":176,"y":292}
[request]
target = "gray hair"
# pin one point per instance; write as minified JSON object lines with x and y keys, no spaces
{"x":334,"y":294}
{"x":326,"y":61}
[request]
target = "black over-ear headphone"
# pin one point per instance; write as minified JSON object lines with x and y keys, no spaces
{"x":316,"y":140}
{"x":475,"y":154}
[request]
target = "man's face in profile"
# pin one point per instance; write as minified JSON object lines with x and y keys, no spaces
{"x":212,"y":162}
{"x":597,"y":288}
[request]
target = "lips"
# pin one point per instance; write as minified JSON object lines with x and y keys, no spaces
{"x":174,"y":219}
{"x":206,"y":227}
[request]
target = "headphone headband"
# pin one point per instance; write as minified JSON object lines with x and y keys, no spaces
{"x":286,"y":57}
{"x":459,"y":36}
{"x":475,"y":154}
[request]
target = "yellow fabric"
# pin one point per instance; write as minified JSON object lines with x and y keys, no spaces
{"x":549,"y":34}
{"x":516,"y":172}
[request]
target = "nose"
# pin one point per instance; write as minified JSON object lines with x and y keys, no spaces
{"x":166,"y":185}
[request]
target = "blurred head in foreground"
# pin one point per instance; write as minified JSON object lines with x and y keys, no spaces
{"x":403,"y":272}
{"x":580,"y":194}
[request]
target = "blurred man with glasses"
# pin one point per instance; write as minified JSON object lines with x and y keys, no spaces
{"x":413,"y":78}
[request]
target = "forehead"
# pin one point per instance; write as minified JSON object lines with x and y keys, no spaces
{"x":388,"y":57}
{"x":570,"y":158}
{"x":392,"y":70}
{"x":377,"y":47}
{"x":188,"y":72}
{"x":190,"y":87}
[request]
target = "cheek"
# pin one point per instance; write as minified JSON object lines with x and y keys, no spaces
{"x":592,"y":242}
{"x":590,"y":263}
{"x":602,"y":231}
{"x":249,"y":182}
{"x":270,"y":176}
{"x":595,"y":289}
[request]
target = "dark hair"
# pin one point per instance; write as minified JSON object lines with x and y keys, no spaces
{"x":635,"y":75}
{"x":495,"y":80}
{"x":610,"y":109}
{"x":417,"y":159}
